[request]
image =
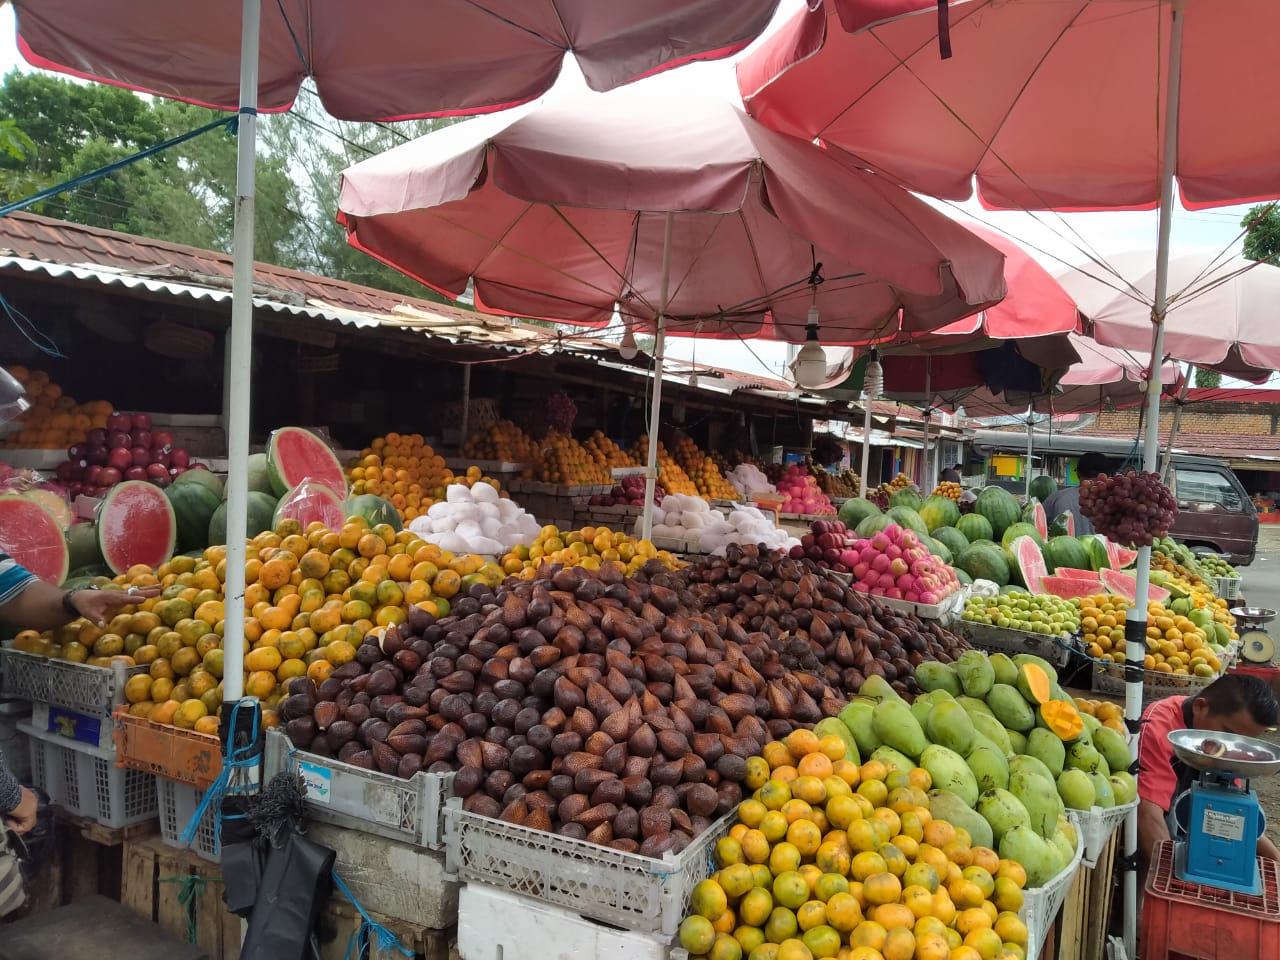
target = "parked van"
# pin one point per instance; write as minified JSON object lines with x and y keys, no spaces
{"x":1214,"y":512}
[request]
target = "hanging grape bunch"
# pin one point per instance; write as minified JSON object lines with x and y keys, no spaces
{"x":561,"y":412}
{"x":1133,"y":509}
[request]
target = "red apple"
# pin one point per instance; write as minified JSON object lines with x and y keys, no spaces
{"x":142,"y":438}
{"x":117,"y":438}
{"x":109,"y":477}
{"x":120,"y":422}
{"x":180,"y":458}
{"x":136,"y":473}
{"x":141,"y":456}
{"x":120,"y":458}
{"x":163,"y":440}
{"x":142,"y":421}
{"x":157,"y":455}
{"x":96,"y":437}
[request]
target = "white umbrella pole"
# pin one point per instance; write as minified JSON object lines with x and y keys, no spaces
{"x":1136,"y":619}
{"x":655,"y":413}
{"x":1030,"y":452}
{"x":241,"y":358}
{"x":466,"y":404}
{"x":924,"y":455}
{"x":1177,"y":424}
{"x":866,"y":450}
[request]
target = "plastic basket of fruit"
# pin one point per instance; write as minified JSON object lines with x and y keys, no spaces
{"x":345,"y":795}
{"x":625,"y":889}
{"x":1040,"y":905}
{"x":1056,"y":650}
{"x":1097,"y":824}
{"x":1228,"y":588}
{"x":166,"y":751}
{"x":85,"y":780}
{"x":61,"y":683}
{"x":1108,"y":678}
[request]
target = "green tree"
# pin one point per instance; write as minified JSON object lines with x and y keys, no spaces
{"x":1208,"y":378}
{"x":1262,"y":236}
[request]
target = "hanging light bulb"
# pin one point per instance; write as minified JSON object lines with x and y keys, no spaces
{"x":693,"y":380}
{"x":811,"y":362}
{"x":627,"y":349}
{"x":873,"y":377}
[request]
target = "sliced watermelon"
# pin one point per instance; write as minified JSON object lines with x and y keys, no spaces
{"x":136,"y":525}
{"x":1033,"y":513}
{"x":1072,"y":573}
{"x":1126,"y":585}
{"x":1120,"y":557}
{"x":295,"y":456}
{"x":55,"y":502}
{"x":1064,"y":524}
{"x":1070,"y":588}
{"x":33,"y":537}
{"x":310,"y":503}
{"x":1028,"y":561}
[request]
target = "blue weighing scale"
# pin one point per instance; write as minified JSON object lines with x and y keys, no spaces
{"x":1220,"y":812}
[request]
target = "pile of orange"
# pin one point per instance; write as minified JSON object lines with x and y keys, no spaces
{"x":311,"y":598}
{"x":566,"y":461}
{"x":704,"y":473}
{"x":1175,"y":644}
{"x":835,"y":859}
{"x":406,"y":471}
{"x":54,"y":420}
{"x":588,"y":548}
{"x":949,"y":489}
{"x":502,"y":440}
{"x":1111,"y":714}
{"x":671,"y":476}
{"x":607,"y":453}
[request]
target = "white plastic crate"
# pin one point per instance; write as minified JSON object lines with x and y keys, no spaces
{"x":85,"y":780}
{"x":72,"y":725}
{"x":1055,"y":650}
{"x":1228,"y":588}
{"x":1109,"y":679}
{"x":1040,"y":906}
{"x":410,"y":811}
{"x":624,"y":889}
{"x":75,"y":686}
{"x":1097,"y":824}
{"x":493,"y":925}
{"x":178,"y":804}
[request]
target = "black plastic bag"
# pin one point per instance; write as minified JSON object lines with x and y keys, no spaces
{"x":35,"y":847}
{"x":243,"y":856}
{"x":295,"y":886}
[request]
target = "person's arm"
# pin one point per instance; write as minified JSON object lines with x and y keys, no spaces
{"x":1152,"y":828}
{"x":17,"y":803}
{"x":39,"y":605}
{"x":1267,"y":848}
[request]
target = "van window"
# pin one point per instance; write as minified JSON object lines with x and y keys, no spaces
{"x":1207,"y":486}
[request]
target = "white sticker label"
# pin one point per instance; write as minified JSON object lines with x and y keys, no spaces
{"x":317,"y":780}
{"x":1223,"y":825}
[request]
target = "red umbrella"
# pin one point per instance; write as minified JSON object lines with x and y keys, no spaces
{"x":392,"y":59}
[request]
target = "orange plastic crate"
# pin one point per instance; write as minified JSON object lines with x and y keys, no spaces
{"x":182,"y":755}
{"x":1187,"y":921}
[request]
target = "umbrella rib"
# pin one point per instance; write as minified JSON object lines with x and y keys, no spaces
{"x":517,"y":26}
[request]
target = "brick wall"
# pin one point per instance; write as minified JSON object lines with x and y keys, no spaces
{"x":1202,"y":418}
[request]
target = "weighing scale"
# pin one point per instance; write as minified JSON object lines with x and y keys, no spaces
{"x":1256,"y":645}
{"x":1221,"y":814}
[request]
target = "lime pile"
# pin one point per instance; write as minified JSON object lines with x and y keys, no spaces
{"x":1049,"y":615}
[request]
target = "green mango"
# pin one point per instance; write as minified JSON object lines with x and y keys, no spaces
{"x":877,"y":688}
{"x":1004,"y":669}
{"x":991,"y":728}
{"x":989,"y":765}
{"x":1002,"y":811}
{"x":1024,"y":658}
{"x":895,"y":725}
{"x":934,"y":675}
{"x":1065,"y":845}
{"x":1113,"y":748}
{"x":893,"y":759}
{"x":975,"y":672}
{"x":1011,"y":708}
{"x":1040,"y":796}
{"x":1104,"y":795}
{"x":1025,"y":763}
{"x":1045,"y":746}
{"x":832,"y":727}
{"x":949,"y":771}
{"x":857,"y":716}
{"x":973,"y":704}
{"x":1076,"y":789}
{"x":921,"y":707}
{"x":950,"y":725}
{"x":1082,"y":755}
{"x":1017,"y":741}
{"x":1023,"y":845}
{"x":947,"y":806}
{"x":1123,"y":787}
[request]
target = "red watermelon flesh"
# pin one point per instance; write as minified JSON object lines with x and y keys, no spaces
{"x":1126,"y":585}
{"x":1073,"y":573}
{"x":1069,"y":588}
{"x":1039,"y":519}
{"x":312,"y":502}
{"x":1030,"y":561}
{"x":1120,"y":557}
{"x":31,"y":535}
{"x":136,"y":525}
{"x":295,"y":456}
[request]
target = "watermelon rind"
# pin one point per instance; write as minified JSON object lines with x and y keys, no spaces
{"x":985,"y":562}
{"x":260,"y":517}
{"x":1026,"y":564}
{"x":82,"y":547}
{"x":1125,"y":585}
{"x":296,"y":456}
{"x":193,"y":506}
{"x":854,"y":510}
{"x":205,"y":478}
{"x":1096,"y":547}
{"x":55,"y":503}
{"x":963,"y":576}
{"x":939,"y":550}
{"x":375,"y":510}
{"x":1043,"y":487}
{"x":311,"y":502}
{"x":1020,"y":529}
{"x":956,"y":541}
{"x":974,"y":526}
{"x":1064,"y":524}
{"x":999,"y":507}
{"x":939,"y":511}
{"x":906,"y":498}
{"x":908,"y":519}
{"x":260,"y":475}
{"x":1033,"y":513}
{"x":136,"y":525}
{"x":1064,"y":551}
{"x":868,"y":527}
{"x":31,"y":535}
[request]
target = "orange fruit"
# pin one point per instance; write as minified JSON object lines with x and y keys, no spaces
{"x":815,"y":763}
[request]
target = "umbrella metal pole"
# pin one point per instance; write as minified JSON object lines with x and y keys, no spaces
{"x":866,"y":451}
{"x":1177,"y":424}
{"x":924,"y":455}
{"x":241,"y":347}
{"x":1030,"y":452}
{"x":655,"y":415}
{"x":466,"y":403}
{"x":1136,"y":618}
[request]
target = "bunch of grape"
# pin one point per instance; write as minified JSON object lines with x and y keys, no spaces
{"x":561,"y":412}
{"x":1133,"y":509}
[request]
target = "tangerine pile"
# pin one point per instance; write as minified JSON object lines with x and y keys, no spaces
{"x":704,"y":473}
{"x":1175,"y":644}
{"x":566,"y":461}
{"x":671,"y":476}
{"x":587,"y":548}
{"x":311,"y":598}
{"x":607,"y":453}
{"x":53,"y":421}
{"x":949,"y":489}
{"x":406,"y":471}
{"x":502,"y":440}
{"x":832,"y":859}
{"x":1111,"y":714}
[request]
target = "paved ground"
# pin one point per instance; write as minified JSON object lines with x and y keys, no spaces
{"x":1262,"y":589}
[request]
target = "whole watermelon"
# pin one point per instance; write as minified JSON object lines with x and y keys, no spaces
{"x":869,"y":526}
{"x":1020,"y":529}
{"x":939,"y":511}
{"x":375,"y":510}
{"x":999,"y":507}
{"x":1043,"y":487}
{"x":939,"y":549}
{"x":1064,"y":551}
{"x":194,"y":505}
{"x":906,"y":498}
{"x":983,"y":562}
{"x":975,"y":526}
{"x":261,"y":510}
{"x":855,"y":510}
{"x":908,"y":519}
{"x":956,"y":541}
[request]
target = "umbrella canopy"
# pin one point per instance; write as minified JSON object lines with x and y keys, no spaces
{"x":558,"y":211}
{"x":1052,"y":104}
{"x":401,"y":58}
{"x":1222,"y":315}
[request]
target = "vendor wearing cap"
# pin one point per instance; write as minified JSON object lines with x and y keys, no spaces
{"x":1235,"y":703}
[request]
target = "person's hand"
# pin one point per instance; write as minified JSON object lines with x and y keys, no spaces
{"x":97,"y":605}
{"x":22,"y":818}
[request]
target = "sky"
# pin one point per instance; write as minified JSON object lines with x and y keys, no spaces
{"x":1056,"y":240}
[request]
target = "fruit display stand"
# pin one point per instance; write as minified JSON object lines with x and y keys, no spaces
{"x":948,"y":611}
{"x":1082,"y":929}
{"x":626,"y":890}
{"x":165,"y":751}
{"x":91,"y":691}
{"x":1055,"y":650}
{"x":555,"y":503}
{"x":84,"y":780}
{"x":1108,"y":680}
{"x":1041,"y":905}
{"x":1097,"y":825}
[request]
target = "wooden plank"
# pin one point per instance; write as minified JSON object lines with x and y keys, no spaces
{"x":138,"y":879}
{"x":341,"y":920}
{"x":82,"y":880}
{"x":47,"y":893}
{"x":1101,"y":899}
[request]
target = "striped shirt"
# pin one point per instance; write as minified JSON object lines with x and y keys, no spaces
{"x":14,"y":578}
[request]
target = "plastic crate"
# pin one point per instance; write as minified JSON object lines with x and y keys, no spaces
{"x":624,"y":889}
{"x":410,"y":811}
{"x":85,"y":780}
{"x":1040,"y":906}
{"x":76,"y":686}
{"x":1228,"y":588}
{"x":73,"y":725}
{"x":182,"y":755}
{"x":1193,"y":922}
{"x":178,"y":804}
{"x":1097,"y":824}
{"x":1109,"y":679}
{"x":1055,"y":650}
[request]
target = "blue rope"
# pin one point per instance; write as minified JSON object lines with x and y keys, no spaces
{"x":110,"y":168}
{"x":29,"y":330}
{"x":240,"y":758}
{"x":362,"y":939}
